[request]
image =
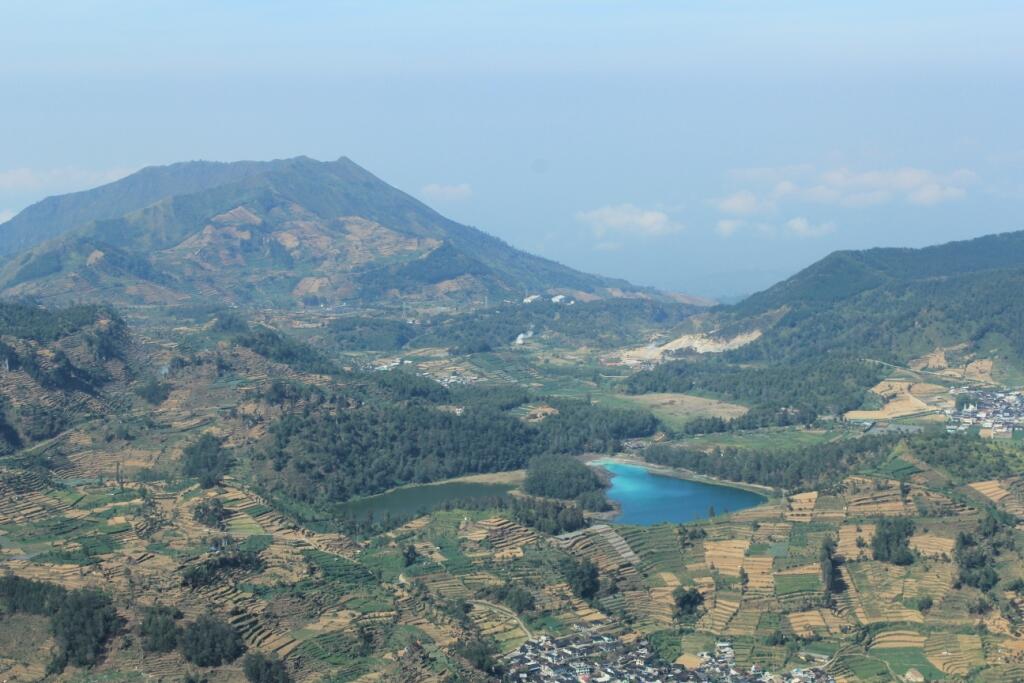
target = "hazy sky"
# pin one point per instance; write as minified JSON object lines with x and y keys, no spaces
{"x":704,"y":147}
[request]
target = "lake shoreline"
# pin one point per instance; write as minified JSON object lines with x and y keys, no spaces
{"x":512,"y":478}
{"x":656,"y":495}
{"x":679,"y":473}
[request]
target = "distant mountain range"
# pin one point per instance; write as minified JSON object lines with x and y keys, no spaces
{"x":301,"y":232}
{"x":266,"y":233}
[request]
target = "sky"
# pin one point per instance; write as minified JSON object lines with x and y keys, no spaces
{"x":709,"y":148}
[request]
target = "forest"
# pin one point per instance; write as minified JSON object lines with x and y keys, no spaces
{"x":897,"y":321}
{"x":552,"y":476}
{"x":807,"y":390}
{"x":281,"y":348}
{"x":809,"y":467}
{"x":968,"y":457}
{"x":350,"y":447}
{"x":29,"y":321}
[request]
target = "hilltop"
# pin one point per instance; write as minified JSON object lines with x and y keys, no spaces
{"x":940,"y":307}
{"x":266,"y":233}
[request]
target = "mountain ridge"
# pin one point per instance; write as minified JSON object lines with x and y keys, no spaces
{"x":891,"y":304}
{"x":293,"y":227}
{"x":878,"y":265}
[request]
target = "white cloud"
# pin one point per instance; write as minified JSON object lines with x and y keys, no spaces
{"x":741,"y":203}
{"x":64,"y":179}
{"x":801,"y":227}
{"x":727,"y":227}
{"x":447,"y":193}
{"x":844,"y":187}
{"x":6,"y":215}
{"x":934,"y":193}
{"x":628,"y":219}
{"x":914,"y":185}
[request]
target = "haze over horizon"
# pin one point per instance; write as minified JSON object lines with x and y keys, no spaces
{"x":755,"y":141}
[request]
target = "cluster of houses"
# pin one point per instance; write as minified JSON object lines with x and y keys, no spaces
{"x":586,"y":656}
{"x":995,"y":413}
{"x":589,"y":657}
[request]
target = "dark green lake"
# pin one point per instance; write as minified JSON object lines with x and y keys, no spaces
{"x":412,"y":500}
{"x":646,"y":498}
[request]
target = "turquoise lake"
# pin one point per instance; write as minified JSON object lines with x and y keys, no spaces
{"x":646,"y":498}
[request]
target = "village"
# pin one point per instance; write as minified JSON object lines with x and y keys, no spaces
{"x":995,"y":414}
{"x":587,"y":656}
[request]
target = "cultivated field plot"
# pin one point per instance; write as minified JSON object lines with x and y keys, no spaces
{"x":800,"y":507}
{"x":931,"y":545}
{"x":816,"y":623}
{"x":726,"y":557}
{"x":855,"y":541}
{"x":901,"y":399}
{"x":866,"y":497}
{"x":678,"y":409}
{"x":954,"y":654}
{"x":769,"y":438}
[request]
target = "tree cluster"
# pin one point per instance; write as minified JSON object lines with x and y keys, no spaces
{"x":805,"y":467}
{"x":891,"y":542}
{"x":281,"y":348}
{"x":518,"y":599}
{"x":212,"y":513}
{"x":261,"y":668}
{"x":160,"y":630}
{"x":553,"y":476}
{"x":780,"y":394}
{"x":209,"y":641}
{"x":82,"y":621}
{"x":977,"y":554}
{"x":207,"y":460}
{"x":687,"y":602}
{"x":582,"y":577}
{"x":153,"y":391}
{"x":206,"y":572}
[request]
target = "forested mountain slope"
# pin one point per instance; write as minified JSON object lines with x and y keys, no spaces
{"x":892,"y":304}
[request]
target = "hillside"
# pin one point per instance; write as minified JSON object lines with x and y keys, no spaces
{"x":896,"y":305}
{"x":277,"y":233}
{"x":58,"y":368}
{"x":799,"y":349}
{"x":844,"y":274}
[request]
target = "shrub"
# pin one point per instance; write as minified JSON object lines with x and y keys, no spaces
{"x":687,"y":600}
{"x":153,"y":391}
